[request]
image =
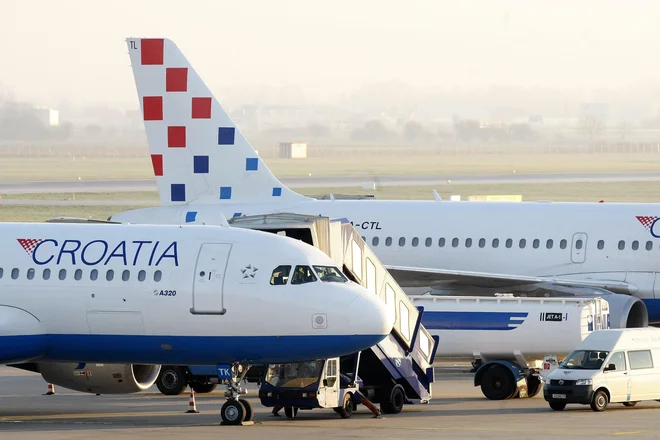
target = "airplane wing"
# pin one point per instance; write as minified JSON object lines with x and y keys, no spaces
{"x":422,"y":277}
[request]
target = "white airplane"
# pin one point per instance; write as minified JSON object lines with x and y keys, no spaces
{"x":205,"y":168}
{"x":158,"y":294}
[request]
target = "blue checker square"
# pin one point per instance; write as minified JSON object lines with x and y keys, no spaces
{"x":238,"y":214}
{"x":201,"y":164}
{"x":191,"y":216}
{"x":226,"y":135}
{"x":251,"y":164}
{"x":225,"y":192}
{"x":178,"y":192}
{"x":277,"y":192}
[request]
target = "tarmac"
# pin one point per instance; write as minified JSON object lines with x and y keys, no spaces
{"x":457,"y":411}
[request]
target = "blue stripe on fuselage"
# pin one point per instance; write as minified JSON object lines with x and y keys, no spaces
{"x":182,"y":350}
{"x":472,"y":320}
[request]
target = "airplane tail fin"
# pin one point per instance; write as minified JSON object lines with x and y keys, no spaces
{"x":197,"y":152}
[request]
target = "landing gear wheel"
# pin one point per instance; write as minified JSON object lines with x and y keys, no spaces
{"x":392,"y":402}
{"x":557,"y":406}
{"x":533,"y":386}
{"x":172,"y":380}
{"x":346,"y":409}
{"x":248,"y":410}
{"x":497,"y":383}
{"x":291,"y":411}
{"x":232,"y":413}
{"x":203,"y":388}
{"x":629,"y":403}
{"x":599,"y":401}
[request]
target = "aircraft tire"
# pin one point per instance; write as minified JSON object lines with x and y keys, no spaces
{"x":249,"y":413}
{"x":172,"y":380}
{"x":232,"y":413}
{"x":203,"y":388}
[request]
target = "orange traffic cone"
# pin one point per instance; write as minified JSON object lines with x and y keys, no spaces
{"x":51,"y":390}
{"x":192,"y":408}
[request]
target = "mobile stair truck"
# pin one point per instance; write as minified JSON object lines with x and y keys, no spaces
{"x":396,"y":371}
{"x":514,"y":342}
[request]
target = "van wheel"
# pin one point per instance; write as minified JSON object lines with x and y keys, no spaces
{"x":599,"y":401}
{"x":291,"y":411}
{"x":557,"y":406}
{"x":497,"y":383}
{"x":629,"y":403}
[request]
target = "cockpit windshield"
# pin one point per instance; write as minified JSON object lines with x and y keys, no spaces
{"x":584,"y":360}
{"x":280,"y":275}
{"x":330,"y":274}
{"x":297,"y":375}
{"x":303,"y":275}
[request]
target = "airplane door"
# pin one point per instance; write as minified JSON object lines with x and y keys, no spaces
{"x":579,"y":248}
{"x":209,"y":279}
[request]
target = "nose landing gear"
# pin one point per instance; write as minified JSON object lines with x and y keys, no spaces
{"x":236,"y":411}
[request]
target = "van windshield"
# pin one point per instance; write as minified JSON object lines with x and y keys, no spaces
{"x":584,"y":360}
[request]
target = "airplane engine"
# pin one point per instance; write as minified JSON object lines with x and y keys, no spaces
{"x":626,"y":311}
{"x":100,"y":378}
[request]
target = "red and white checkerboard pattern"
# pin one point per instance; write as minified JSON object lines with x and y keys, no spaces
{"x":28,"y":244}
{"x":196,"y":150}
{"x":647,"y":220}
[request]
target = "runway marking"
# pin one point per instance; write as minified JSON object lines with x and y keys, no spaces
{"x":630,"y":432}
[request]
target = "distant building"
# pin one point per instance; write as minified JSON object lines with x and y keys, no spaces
{"x":293,"y":150}
{"x":47,"y":116}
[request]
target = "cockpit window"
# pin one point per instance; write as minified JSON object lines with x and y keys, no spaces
{"x":302,"y":275}
{"x":280,"y":275}
{"x":330,"y":274}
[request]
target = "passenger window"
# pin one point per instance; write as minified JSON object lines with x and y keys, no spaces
{"x":563,"y":244}
{"x":509,"y":243}
{"x":619,"y":361}
{"x":640,"y":359}
{"x":374,"y":241}
{"x":332,"y":274}
{"x":30,"y":274}
{"x":549,"y":243}
{"x":635,"y":245}
{"x":388,"y":241}
{"x":454,"y":242}
{"x":402,"y":241}
{"x":578,"y":244}
{"x":468,"y":242}
{"x":94,"y":275}
{"x":441,"y":242}
{"x":62,"y":275}
{"x":522,"y":243}
{"x":649,"y":246}
{"x":14,"y":273}
{"x":415,"y":241}
{"x":536,"y":243}
{"x":110,"y":275}
{"x":496,"y":242}
{"x":303,"y":275}
{"x":2,"y":271}
{"x":482,"y":242}
{"x":142,"y":275}
{"x":158,"y":275}
{"x":601,"y":244}
{"x":126,"y":275}
{"x":622,"y":245}
{"x":429,"y":241}
{"x":46,"y":274}
{"x":280,"y":275}
{"x":77,"y":274}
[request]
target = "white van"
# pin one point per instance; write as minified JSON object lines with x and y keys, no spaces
{"x":609,"y":366}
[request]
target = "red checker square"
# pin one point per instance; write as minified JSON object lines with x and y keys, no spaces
{"x":176,"y":79}
{"x":201,"y":108}
{"x":152,"y":51}
{"x":176,"y":137}
{"x":153,"y":108}
{"x":157,"y":162}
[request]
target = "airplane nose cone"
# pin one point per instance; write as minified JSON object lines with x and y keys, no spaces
{"x":372,"y":313}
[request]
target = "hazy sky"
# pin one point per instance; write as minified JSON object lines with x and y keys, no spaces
{"x":75,"y":48}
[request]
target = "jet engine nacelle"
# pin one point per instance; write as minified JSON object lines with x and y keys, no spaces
{"x":626,"y":311}
{"x":100,"y":378}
